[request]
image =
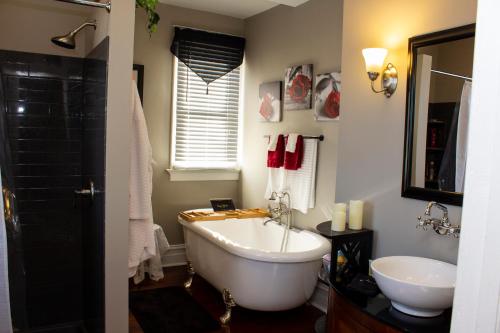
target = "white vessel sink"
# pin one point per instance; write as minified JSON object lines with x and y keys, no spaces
{"x":416,"y":286}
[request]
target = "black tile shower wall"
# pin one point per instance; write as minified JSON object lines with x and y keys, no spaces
{"x":43,"y":107}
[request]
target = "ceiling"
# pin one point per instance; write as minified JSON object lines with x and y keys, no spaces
{"x":235,"y":8}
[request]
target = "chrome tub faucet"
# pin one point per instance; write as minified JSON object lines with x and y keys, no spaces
{"x":282,"y":209}
{"x":441,"y":226}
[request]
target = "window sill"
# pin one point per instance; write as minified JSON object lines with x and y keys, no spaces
{"x":196,"y":175}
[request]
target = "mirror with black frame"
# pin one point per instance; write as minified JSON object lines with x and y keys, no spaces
{"x":437,"y":112}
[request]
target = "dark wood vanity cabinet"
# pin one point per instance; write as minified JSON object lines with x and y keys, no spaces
{"x":345,"y":317}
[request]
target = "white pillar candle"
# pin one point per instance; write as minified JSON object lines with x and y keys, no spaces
{"x":339,"y":217}
{"x":338,"y":220}
{"x":355,"y":214}
{"x":340,"y":206}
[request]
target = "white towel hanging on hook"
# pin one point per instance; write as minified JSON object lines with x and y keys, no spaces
{"x":141,"y":234}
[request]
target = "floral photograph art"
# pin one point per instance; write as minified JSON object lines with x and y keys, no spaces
{"x":327,"y":97}
{"x":270,"y":101}
{"x":298,"y":87}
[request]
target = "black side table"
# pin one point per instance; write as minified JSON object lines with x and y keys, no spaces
{"x":356,"y":245}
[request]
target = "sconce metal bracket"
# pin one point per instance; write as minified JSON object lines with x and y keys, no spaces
{"x":389,"y":80}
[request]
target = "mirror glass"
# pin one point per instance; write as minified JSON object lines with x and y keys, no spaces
{"x":438,"y":106}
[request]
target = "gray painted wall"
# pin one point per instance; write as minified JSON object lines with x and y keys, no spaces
{"x":372,"y":126}
{"x":276,"y":39}
{"x":170,"y":198}
{"x":28,"y":25}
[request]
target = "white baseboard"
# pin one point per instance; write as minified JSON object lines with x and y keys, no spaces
{"x":176,"y":256}
{"x":319,"y":298}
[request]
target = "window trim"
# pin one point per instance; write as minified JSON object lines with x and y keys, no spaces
{"x":197,"y":174}
{"x":184,"y":175}
{"x":173,"y":120}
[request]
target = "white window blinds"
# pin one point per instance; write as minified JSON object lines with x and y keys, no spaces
{"x":205,"y":125}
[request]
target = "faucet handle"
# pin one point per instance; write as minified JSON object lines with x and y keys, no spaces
{"x":420,"y":223}
{"x":445,"y":221}
{"x":455,"y":231}
{"x":424,"y":224}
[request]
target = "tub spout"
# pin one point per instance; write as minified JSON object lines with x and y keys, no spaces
{"x":275,"y":219}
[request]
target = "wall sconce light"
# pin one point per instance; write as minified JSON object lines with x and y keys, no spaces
{"x":374,"y":61}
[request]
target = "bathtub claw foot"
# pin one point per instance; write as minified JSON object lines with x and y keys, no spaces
{"x":229,"y":301}
{"x":189,"y":281}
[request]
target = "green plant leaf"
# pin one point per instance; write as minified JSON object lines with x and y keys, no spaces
{"x":153,"y":17}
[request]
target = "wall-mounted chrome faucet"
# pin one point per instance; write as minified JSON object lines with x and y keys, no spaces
{"x":441,"y":226}
{"x":282,"y":209}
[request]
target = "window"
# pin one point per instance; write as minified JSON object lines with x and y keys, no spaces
{"x":205,"y":124}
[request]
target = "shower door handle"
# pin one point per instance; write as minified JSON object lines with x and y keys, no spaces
{"x":8,"y":204}
{"x":91,"y":191}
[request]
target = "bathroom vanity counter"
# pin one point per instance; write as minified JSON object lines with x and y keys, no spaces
{"x":351,"y":312}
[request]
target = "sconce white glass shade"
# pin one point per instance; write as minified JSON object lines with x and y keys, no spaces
{"x":374,"y":59}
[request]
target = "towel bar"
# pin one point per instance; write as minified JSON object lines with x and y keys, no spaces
{"x":317,"y":137}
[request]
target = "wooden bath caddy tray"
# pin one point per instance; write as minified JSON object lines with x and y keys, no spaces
{"x":223,"y":215}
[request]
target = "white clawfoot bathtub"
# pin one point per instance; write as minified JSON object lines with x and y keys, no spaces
{"x":244,"y":256}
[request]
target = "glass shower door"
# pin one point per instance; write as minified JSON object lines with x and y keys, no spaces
{"x":52,"y":146}
{"x":15,"y":291}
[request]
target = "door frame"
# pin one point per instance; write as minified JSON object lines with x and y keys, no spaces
{"x":476,"y":306}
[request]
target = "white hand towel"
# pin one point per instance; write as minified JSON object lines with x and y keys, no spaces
{"x":301,"y":183}
{"x":462,"y":136}
{"x":273,"y":142}
{"x":275,"y":181}
{"x":291,"y":142}
{"x":141,"y":233}
{"x":5,"y":319}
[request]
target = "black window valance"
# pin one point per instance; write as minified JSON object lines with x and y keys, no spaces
{"x":209,"y":55}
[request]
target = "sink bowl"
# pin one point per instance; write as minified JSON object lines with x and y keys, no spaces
{"x":416,"y":286}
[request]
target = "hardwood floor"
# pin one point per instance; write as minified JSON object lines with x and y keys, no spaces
{"x":300,"y":320}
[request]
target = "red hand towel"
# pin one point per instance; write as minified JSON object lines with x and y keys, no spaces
{"x":276,"y":158}
{"x":293,"y":161}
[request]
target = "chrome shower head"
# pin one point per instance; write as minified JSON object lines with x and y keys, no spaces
{"x":68,"y":41}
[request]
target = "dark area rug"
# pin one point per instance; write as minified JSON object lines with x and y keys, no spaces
{"x":170,"y":310}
